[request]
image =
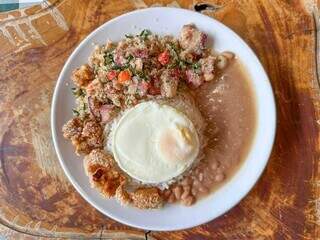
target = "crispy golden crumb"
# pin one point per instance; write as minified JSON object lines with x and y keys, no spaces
{"x":85,"y":136}
{"x":102,"y":174}
{"x":122,"y":195}
{"x":73,"y":128}
{"x":82,"y":76}
{"x":145,"y":198}
{"x":92,"y":132}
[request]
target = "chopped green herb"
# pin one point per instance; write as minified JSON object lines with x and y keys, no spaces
{"x":196,"y":66}
{"x":145,"y":33}
{"x":130,"y":58}
{"x":108,"y":58}
{"x":173,"y":46}
{"x":182,"y":64}
{"x":173,"y":64}
{"x":78,"y":92}
{"x":75,"y":112}
{"x":117,"y":67}
{"x":129,"y":36}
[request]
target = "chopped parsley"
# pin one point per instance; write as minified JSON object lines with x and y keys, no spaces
{"x":129,"y":36}
{"x":108,"y":58}
{"x":145,"y":33}
{"x":75,"y":112}
{"x":130,"y":58}
{"x":78,"y":92}
{"x":196,"y":66}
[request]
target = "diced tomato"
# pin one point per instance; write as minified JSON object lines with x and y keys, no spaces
{"x":164,"y":57}
{"x":124,"y":76}
{"x":111,"y":74}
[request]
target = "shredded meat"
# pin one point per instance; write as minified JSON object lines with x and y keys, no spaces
{"x":102,"y":174}
{"x":82,"y":76}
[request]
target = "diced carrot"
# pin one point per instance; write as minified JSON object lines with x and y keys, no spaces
{"x":111,"y":74}
{"x":164,"y":57}
{"x":124,"y":76}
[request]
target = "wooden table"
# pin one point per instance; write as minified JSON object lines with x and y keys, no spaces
{"x":37,"y":199}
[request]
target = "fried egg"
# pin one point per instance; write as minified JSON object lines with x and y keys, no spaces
{"x":154,"y":142}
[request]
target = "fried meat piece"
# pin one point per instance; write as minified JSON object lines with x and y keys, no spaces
{"x":102,"y":174}
{"x":122,"y":195}
{"x":146,"y":198}
{"x":73,"y":128}
{"x":192,"y":40}
{"x":92,"y":132}
{"x":84,"y":135}
{"x":82,"y":76}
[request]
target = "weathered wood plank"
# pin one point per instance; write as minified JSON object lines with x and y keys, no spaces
{"x":35,"y":196}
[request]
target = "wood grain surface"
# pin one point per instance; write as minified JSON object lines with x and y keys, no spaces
{"x":35,"y":196}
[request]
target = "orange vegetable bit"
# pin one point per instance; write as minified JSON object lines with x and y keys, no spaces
{"x":164,"y":57}
{"x":124,"y":76}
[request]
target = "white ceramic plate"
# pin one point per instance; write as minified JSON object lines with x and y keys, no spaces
{"x":171,"y":217}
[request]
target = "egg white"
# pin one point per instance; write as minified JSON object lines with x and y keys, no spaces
{"x":157,"y":141}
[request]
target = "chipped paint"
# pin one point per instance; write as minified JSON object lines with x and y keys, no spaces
{"x":56,"y":14}
{"x":32,"y":32}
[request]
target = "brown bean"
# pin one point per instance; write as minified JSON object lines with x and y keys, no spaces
{"x":203,"y":189}
{"x":198,"y":171}
{"x":188,"y":201}
{"x":194,"y":191}
{"x":208,"y":181}
{"x":186,"y":181}
{"x":200,"y":177}
{"x":219,"y":177}
{"x":186,"y":188}
{"x":222,"y":62}
{"x":219,"y":170}
{"x":177,"y":192}
{"x":171,"y":198}
{"x":196,"y":184}
{"x":214,"y":165}
{"x":186,"y":193}
{"x":229,"y":55}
